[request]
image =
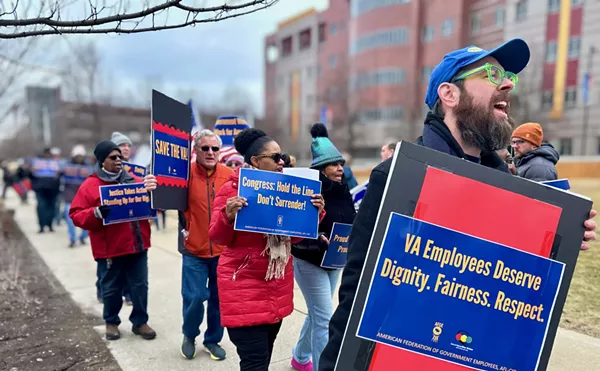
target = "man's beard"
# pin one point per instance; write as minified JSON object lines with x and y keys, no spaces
{"x":478,"y":126}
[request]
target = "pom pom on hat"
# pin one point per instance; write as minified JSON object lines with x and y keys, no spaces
{"x":323,"y":150}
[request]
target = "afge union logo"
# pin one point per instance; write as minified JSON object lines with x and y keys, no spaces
{"x":437,"y":331}
{"x":130,"y":212}
{"x":280,"y":220}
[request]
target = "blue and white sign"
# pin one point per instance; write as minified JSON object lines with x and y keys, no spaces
{"x":559,"y":183}
{"x":75,"y":174}
{"x":337,"y":251}
{"x":128,"y":202}
{"x":358,"y":193}
{"x":45,"y":168}
{"x":134,"y":169}
{"x":459,"y":298}
{"x":277,"y":204}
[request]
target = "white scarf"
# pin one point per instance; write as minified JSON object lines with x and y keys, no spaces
{"x":279,"y":250}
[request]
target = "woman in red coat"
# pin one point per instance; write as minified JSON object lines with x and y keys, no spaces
{"x":121,"y":246}
{"x":255,"y":275}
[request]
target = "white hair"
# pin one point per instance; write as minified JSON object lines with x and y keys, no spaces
{"x":206,"y":133}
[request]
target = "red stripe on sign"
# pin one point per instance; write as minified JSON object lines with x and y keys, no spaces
{"x":157,"y":126}
{"x":171,"y":182}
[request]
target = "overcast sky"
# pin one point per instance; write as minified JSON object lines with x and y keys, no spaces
{"x":207,"y":58}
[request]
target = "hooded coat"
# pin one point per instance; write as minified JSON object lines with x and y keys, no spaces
{"x":538,"y":165}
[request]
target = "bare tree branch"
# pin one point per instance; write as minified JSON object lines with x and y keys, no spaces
{"x":52,"y":23}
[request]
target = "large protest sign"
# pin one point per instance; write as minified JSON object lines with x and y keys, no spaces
{"x":45,"y":168}
{"x":335,"y":256}
{"x":277,"y":204}
{"x":227,"y":127}
{"x":469,"y":198}
{"x":75,"y":173}
{"x":128,"y":202}
{"x":171,"y":130}
{"x":461,"y":290}
{"x":134,"y":169}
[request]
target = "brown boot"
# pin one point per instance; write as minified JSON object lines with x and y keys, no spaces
{"x":145,"y":331}
{"x":112,"y":332}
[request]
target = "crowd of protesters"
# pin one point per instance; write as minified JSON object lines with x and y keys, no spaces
{"x":247,"y":279}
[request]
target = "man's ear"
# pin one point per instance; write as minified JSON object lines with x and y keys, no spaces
{"x":449,"y":94}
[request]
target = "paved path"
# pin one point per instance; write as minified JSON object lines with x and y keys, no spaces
{"x":76,"y":270}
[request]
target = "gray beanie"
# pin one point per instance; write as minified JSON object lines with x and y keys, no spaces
{"x":118,"y":138}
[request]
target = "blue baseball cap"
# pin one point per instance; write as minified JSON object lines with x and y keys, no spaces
{"x":513,"y":56}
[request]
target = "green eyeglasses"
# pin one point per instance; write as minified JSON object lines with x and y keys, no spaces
{"x":495,"y":74}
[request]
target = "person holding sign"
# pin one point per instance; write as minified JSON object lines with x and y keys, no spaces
{"x":255,"y":274}
{"x":200,"y":255}
{"x":74,"y":174}
{"x":468,"y":95}
{"x":318,"y":284}
{"x":121,"y":246}
{"x":45,"y":182}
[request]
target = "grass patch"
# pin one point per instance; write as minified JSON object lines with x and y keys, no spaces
{"x":582,"y":309}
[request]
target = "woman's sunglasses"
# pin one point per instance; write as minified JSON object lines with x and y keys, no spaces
{"x":276,"y":157}
{"x":115,"y":157}
{"x":206,"y":148}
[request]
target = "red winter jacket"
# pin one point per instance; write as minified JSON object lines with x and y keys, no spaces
{"x":245,"y":297}
{"x":108,"y":241}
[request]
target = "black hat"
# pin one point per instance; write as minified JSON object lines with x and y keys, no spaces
{"x":103,"y":149}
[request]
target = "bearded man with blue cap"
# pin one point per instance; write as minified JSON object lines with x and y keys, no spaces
{"x":469,"y":99}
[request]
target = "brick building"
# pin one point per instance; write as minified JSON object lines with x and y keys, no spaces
{"x":374,"y":57}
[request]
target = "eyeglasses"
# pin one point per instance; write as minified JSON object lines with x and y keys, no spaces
{"x":276,"y":157}
{"x":206,"y":148}
{"x":517,"y":142}
{"x":495,"y":74}
{"x":115,"y":157}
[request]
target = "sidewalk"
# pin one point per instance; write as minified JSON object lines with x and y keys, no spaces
{"x":76,"y":271}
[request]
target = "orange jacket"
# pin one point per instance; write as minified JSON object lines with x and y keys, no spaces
{"x":202,"y":191}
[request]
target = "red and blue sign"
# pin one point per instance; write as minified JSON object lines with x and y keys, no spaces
{"x":458,"y":298}
{"x":171,"y":155}
{"x":134,"y":169}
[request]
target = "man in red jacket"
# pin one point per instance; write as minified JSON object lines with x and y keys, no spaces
{"x":121,"y":246}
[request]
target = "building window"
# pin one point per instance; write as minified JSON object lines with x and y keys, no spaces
{"x":448,"y":27}
{"x":547,"y":98}
{"x":305,"y":38}
{"x":381,"y":114}
{"x":553,"y":6}
{"x":322,"y":33}
{"x":574,"y":46}
{"x":475,"y":23}
{"x":333,"y":29}
{"x":576,"y":3}
{"x":550,"y":51}
{"x":571,"y":97}
{"x":395,"y":76}
{"x":565,"y":146}
{"x":521,"y":11}
{"x":332,"y":61}
{"x":362,"y":6}
{"x":286,"y":46}
{"x":427,"y":35}
{"x":382,"y":39}
{"x":426,"y":73}
{"x":499,"y":16}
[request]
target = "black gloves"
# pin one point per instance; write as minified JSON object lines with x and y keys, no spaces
{"x":102,"y":212}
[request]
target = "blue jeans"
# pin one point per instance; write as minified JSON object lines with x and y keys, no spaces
{"x":46,"y":208}
{"x":199,"y":284}
{"x":130,"y":270}
{"x":101,"y":269}
{"x":71,"y":227}
{"x":318,"y":287}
